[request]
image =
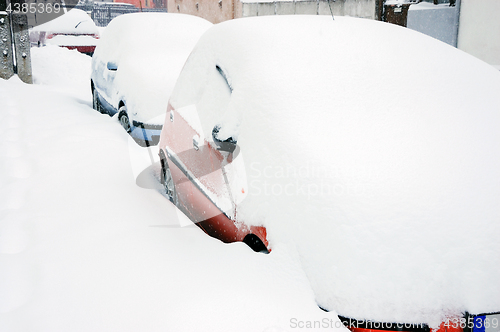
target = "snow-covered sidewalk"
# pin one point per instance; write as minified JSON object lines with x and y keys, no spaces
{"x":83,"y":248}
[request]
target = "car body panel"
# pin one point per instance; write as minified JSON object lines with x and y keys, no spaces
{"x":107,"y":107}
{"x":200,"y":186}
{"x":83,"y":43}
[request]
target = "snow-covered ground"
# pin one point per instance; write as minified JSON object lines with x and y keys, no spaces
{"x":83,"y":248}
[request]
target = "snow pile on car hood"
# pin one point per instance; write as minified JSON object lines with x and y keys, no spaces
{"x":372,"y":149}
{"x":75,"y":21}
{"x":150,"y":50}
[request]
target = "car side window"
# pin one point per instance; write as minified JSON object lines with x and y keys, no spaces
{"x":205,"y":83}
{"x":214,"y":100}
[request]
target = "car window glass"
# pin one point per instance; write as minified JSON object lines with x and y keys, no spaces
{"x":205,"y":84}
{"x":214,"y":101}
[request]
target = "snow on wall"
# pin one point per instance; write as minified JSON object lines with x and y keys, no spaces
{"x":479,"y":32}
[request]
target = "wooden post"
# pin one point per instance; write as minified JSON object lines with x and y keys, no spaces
{"x":6,"y":54}
{"x":22,"y":45}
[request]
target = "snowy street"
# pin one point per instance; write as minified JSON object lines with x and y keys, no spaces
{"x":369,"y":168}
{"x":83,"y":248}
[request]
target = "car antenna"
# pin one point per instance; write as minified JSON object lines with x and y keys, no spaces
{"x":331,"y":11}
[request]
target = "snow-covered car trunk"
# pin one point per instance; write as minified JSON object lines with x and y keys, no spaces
{"x":73,"y":30}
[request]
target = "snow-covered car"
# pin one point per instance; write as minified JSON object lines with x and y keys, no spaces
{"x":367,"y":149}
{"x":135,"y":66}
{"x":73,"y":30}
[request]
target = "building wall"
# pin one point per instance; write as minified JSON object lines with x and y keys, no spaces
{"x":214,"y":11}
{"x":355,"y":8}
{"x":139,"y":3}
{"x":479,"y":31}
{"x":221,"y":10}
{"x":440,"y":22}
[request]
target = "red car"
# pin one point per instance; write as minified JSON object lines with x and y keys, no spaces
{"x":388,"y":199}
{"x":195,"y":177}
{"x":74,"y":30}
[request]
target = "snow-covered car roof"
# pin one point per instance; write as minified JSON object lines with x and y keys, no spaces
{"x":149,"y":50}
{"x":370,"y":149}
{"x":74,"y":22}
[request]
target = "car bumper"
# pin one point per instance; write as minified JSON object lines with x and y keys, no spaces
{"x":146,"y":132}
{"x":468,"y":323}
{"x":87,"y":49}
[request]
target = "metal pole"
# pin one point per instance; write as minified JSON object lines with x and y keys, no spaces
{"x":6,"y":53}
{"x":22,"y":44}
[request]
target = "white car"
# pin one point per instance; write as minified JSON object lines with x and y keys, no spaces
{"x":369,"y":151}
{"x":136,"y":64}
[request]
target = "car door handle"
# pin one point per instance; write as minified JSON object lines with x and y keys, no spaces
{"x":196,"y":142}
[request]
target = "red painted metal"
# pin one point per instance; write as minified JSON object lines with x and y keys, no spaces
{"x":81,"y":49}
{"x":449,"y":326}
{"x":205,"y":165}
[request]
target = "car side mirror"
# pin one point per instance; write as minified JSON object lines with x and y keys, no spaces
{"x":112,"y":66}
{"x":227,"y":145}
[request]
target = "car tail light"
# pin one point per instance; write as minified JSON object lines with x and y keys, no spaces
{"x":95,"y":35}
{"x":50,"y":36}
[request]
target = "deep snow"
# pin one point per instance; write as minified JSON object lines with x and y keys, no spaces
{"x":83,"y":248}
